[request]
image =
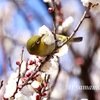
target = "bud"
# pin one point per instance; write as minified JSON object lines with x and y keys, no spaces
{"x":38,"y":88}
{"x":59,"y":19}
{"x":28,"y":74}
{"x":19,"y":86}
{"x":58,"y":5}
{"x":40,"y":60}
{"x":17,"y":63}
{"x":23,"y":79}
{"x":5,"y":98}
{"x":51,"y":10}
{"x":32,"y":62}
{"x":44,"y":94}
{"x":45,"y":84}
{"x":37,"y":97}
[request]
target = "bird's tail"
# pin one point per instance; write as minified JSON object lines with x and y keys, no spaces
{"x":76,"y":39}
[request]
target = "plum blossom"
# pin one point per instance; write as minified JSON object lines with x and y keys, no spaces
{"x":36,"y":96}
{"x":46,"y":67}
{"x":11,"y":86}
{"x":51,"y":66}
{"x":23,"y":68}
{"x":36,"y":84}
{"x":95,"y":5}
{"x":21,"y":96}
{"x":66,"y":24}
{"x":49,"y":38}
{"x":49,"y":35}
{"x":46,"y":0}
{"x":62,"y":51}
{"x":59,"y":29}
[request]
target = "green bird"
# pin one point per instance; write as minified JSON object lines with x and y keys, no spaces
{"x":36,"y":45}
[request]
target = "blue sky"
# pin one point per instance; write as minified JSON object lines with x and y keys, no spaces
{"x":35,"y":7}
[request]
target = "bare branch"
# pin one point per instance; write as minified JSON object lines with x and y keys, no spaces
{"x":78,"y":26}
{"x":56,"y":48}
{"x":1,"y":84}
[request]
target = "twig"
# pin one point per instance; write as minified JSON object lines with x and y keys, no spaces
{"x":10,"y":64}
{"x":54,"y":21}
{"x":78,"y":26}
{"x":54,"y":16}
{"x":19,"y":75}
{"x":56,"y":48}
{"x":46,"y":80}
{"x":1,"y":84}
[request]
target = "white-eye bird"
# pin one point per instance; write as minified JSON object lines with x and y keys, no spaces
{"x":36,"y":45}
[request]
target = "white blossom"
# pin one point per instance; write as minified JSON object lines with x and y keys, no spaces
{"x":62,"y":51}
{"x":8,"y":45}
{"x":49,"y":37}
{"x":95,"y":4}
{"x":44,"y":30}
{"x":35,"y":84}
{"x":34,"y":96}
{"x":55,"y":63}
{"x":21,"y":96}
{"x":46,"y":0}
{"x":43,"y":76}
{"x":31,"y":89}
{"x":11,"y":86}
{"x":44,"y":98}
{"x":39,"y":78}
{"x":50,"y":66}
{"x":60,"y":29}
{"x":47,"y":66}
{"x":23,"y":68}
{"x":67,"y":23}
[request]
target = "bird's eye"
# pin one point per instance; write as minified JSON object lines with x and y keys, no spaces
{"x":38,"y":42}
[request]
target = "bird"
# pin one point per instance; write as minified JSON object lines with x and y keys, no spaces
{"x":36,"y":45}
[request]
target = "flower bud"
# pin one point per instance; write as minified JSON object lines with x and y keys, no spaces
{"x":32,"y":62}
{"x":51,"y":10}
{"x":17,"y":63}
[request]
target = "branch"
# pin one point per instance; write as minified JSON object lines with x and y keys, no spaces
{"x":20,"y":63}
{"x":56,"y":48}
{"x":78,"y":26}
{"x":1,"y":84}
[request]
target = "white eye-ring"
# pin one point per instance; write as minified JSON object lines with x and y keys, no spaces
{"x":38,"y":42}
